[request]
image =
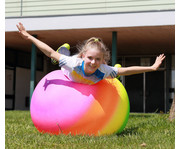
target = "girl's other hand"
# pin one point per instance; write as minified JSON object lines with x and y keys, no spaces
{"x":158,"y":61}
{"x":22,"y":31}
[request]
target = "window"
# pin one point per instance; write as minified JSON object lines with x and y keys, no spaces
{"x":16,"y":58}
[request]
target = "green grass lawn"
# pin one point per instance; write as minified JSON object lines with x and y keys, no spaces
{"x":150,"y":131}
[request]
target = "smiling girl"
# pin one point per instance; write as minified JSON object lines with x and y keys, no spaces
{"x":90,"y":65}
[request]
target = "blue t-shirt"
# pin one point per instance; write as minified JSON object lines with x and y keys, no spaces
{"x":73,"y":68}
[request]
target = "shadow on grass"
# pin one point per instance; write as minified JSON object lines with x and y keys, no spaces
{"x":140,"y":115}
{"x":128,"y":131}
{"x":141,"y":120}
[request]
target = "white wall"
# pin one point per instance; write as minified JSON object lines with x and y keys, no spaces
{"x":22,"y":86}
{"x":93,"y":21}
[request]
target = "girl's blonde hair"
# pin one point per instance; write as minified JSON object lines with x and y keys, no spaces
{"x":94,"y":42}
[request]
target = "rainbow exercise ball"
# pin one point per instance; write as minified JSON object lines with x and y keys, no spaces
{"x":59,"y":105}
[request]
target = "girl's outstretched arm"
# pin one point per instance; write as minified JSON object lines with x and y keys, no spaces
{"x":140,"y":69}
{"x":47,"y":50}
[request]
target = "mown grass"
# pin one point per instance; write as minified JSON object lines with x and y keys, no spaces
{"x":149,"y":131}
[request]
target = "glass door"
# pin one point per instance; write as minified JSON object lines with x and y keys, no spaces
{"x":134,"y":88}
{"x":154,"y":91}
{"x":9,"y":89}
{"x":146,"y":91}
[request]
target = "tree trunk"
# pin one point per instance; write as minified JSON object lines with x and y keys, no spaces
{"x":172,"y":111}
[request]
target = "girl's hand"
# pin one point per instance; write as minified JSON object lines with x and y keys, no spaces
{"x":23,"y":31}
{"x":158,"y":62}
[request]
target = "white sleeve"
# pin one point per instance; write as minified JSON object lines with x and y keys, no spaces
{"x":109,"y":71}
{"x":68,"y":62}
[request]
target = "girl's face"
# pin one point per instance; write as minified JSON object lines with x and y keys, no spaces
{"x":93,"y":58}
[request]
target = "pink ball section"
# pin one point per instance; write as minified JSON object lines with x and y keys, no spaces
{"x":46,"y":108}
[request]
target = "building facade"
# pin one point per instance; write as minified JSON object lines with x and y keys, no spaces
{"x":135,"y":32}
